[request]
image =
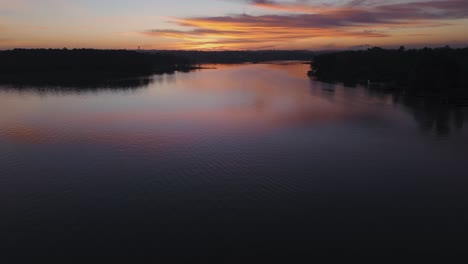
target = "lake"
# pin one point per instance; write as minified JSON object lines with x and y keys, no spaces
{"x":229,"y":162}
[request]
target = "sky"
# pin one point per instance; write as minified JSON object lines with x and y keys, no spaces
{"x":232,"y":24}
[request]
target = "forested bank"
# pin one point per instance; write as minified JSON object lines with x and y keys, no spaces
{"x":83,"y":66}
{"x":420,"y":71}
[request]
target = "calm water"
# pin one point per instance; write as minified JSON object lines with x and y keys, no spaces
{"x":229,"y":162}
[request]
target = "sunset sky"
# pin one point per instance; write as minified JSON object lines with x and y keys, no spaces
{"x":232,"y":24}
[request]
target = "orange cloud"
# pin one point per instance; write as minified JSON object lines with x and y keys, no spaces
{"x":248,"y":31}
{"x":305,"y":21}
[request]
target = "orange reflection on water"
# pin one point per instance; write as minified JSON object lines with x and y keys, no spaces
{"x":230,"y":101}
{"x":24,"y":134}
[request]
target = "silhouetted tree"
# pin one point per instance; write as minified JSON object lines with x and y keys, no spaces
{"x":82,"y":66}
{"x":417,"y":70}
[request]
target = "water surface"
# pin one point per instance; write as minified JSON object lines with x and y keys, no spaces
{"x":235,"y":161}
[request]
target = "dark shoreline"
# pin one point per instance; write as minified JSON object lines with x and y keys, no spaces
{"x":93,"y":68}
{"x":433,"y":73}
{"x":239,"y":56}
{"x":84,"y":67}
{"x":85,"y":79}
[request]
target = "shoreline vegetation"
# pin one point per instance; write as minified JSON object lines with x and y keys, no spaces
{"x":240,"y":56}
{"x":439,"y":72}
{"x":85,"y":67}
{"x":114,"y":68}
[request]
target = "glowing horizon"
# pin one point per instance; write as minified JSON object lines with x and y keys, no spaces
{"x":232,"y":24}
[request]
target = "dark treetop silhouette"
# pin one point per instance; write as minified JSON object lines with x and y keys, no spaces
{"x":423,"y":72}
{"x":240,"y":56}
{"x":83,"y":67}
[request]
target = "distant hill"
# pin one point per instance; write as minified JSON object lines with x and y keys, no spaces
{"x":239,"y":56}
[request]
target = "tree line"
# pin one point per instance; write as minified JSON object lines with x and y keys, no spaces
{"x":87,"y":60}
{"x":81,"y":67}
{"x":240,"y":56}
{"x":427,"y":70}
